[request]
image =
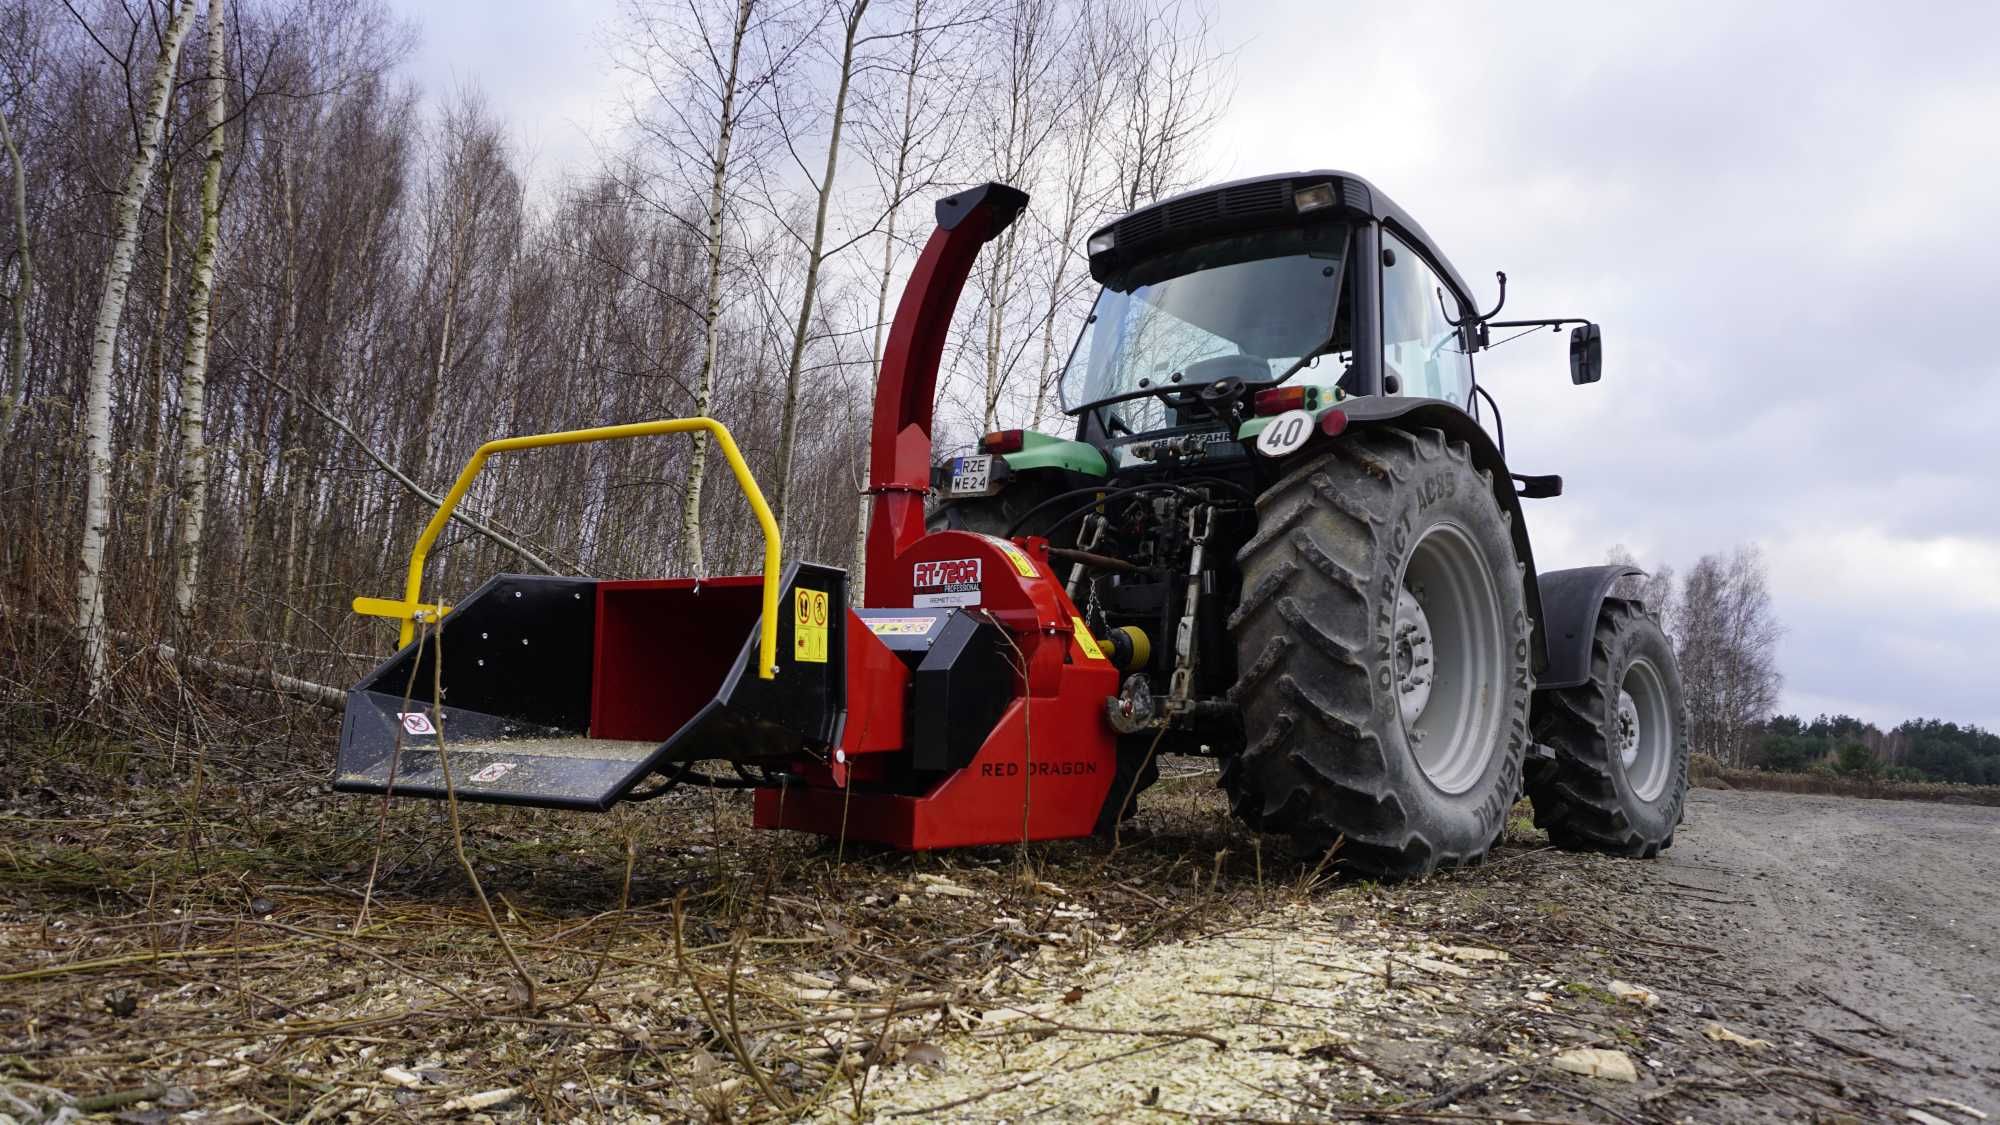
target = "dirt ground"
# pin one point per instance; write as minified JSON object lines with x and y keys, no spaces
{"x":1880,"y":920}
{"x":264,"y":951}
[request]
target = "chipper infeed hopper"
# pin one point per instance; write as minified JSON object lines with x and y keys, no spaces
{"x":907,"y":721}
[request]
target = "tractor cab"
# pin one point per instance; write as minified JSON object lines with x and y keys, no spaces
{"x":1261,"y":297}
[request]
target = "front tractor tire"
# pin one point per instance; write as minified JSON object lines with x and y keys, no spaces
{"x":1620,"y":774}
{"x":1383,"y":650}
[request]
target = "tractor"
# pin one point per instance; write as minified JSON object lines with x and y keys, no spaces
{"x":1278,"y":534}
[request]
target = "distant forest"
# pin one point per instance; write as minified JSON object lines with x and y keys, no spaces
{"x":1916,"y":750}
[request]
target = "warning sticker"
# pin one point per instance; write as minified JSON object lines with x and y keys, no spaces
{"x":1020,"y":559}
{"x":1084,"y":640}
{"x":901,"y":626}
{"x":809,"y":629}
{"x":946,"y":582}
{"x":416,"y":722}
{"x":494,"y":772}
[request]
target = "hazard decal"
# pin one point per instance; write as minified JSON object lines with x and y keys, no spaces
{"x":945,"y":582}
{"x":416,"y":722}
{"x":1023,"y":565}
{"x":1084,"y":640}
{"x":809,"y":625}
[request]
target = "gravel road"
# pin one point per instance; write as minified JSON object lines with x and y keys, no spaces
{"x":1883,"y":915}
{"x":1808,"y":959}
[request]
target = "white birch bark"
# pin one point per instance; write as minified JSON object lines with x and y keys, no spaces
{"x":103,"y":350}
{"x":906,"y":140}
{"x":194,"y":365}
{"x":788,"y":420}
{"x":691,"y":555}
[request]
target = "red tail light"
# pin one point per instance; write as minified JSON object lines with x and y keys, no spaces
{"x":1332,"y":423}
{"x":1003,"y":441}
{"x":1277,"y":400}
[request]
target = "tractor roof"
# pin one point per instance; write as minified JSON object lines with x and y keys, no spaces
{"x":1260,"y":201}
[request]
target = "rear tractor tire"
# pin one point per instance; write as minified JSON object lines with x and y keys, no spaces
{"x":1619,"y":779}
{"x":1384,"y":662}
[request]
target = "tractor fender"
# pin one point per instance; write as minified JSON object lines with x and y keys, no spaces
{"x":1571,"y":600}
{"x":1413,"y":413}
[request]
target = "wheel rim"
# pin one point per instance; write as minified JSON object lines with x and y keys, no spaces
{"x":1642,"y":730}
{"x":1448,"y":657}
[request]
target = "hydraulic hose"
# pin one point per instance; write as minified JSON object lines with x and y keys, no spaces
{"x":1101,"y":495}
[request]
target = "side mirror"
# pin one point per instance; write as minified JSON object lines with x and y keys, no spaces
{"x":1586,"y":354}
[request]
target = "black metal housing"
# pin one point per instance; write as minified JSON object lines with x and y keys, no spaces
{"x":960,"y":683}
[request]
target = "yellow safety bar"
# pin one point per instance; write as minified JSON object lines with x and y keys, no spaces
{"x":410,"y":611}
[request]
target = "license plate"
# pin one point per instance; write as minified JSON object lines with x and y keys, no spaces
{"x":971,"y":476}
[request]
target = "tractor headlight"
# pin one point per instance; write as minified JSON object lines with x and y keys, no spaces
{"x":1102,"y":243}
{"x":1313,"y":198}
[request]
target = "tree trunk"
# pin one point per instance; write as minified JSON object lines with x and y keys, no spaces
{"x":17,"y":338}
{"x":905,"y":141}
{"x":156,"y":366}
{"x":691,"y":557}
{"x":194,"y":364}
{"x":788,"y":421}
{"x":103,"y":350}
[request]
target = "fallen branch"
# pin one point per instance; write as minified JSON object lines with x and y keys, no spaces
{"x":1044,"y":1023}
{"x":119,"y":1099}
{"x":266,"y":680}
{"x":270,"y":680}
{"x":1459,"y":1090}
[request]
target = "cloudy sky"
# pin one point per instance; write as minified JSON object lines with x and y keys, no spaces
{"x":1784,"y":215}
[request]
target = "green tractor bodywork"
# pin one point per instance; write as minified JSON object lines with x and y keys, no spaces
{"x":1045,"y":451}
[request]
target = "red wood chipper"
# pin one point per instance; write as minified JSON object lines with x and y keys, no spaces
{"x":964,"y":704}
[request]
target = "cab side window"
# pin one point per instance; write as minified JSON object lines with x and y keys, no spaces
{"x":1419,"y":346}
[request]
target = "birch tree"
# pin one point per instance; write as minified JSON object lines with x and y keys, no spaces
{"x":1083,"y":196}
{"x":1169,"y":97}
{"x":1034,"y":98}
{"x":22,"y":27}
{"x":1727,"y":651}
{"x":24,"y":282}
{"x":717,"y":74}
{"x":194,"y":361}
{"x":904,"y":168}
{"x":104,"y":348}
{"x":815,"y":251}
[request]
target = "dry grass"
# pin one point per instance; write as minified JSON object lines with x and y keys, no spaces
{"x":1707,"y":772}
{"x":220,"y":955}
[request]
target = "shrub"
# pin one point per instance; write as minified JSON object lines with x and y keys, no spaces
{"x":1856,"y":760}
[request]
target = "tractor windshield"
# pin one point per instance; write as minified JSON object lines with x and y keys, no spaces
{"x":1253,"y":307}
